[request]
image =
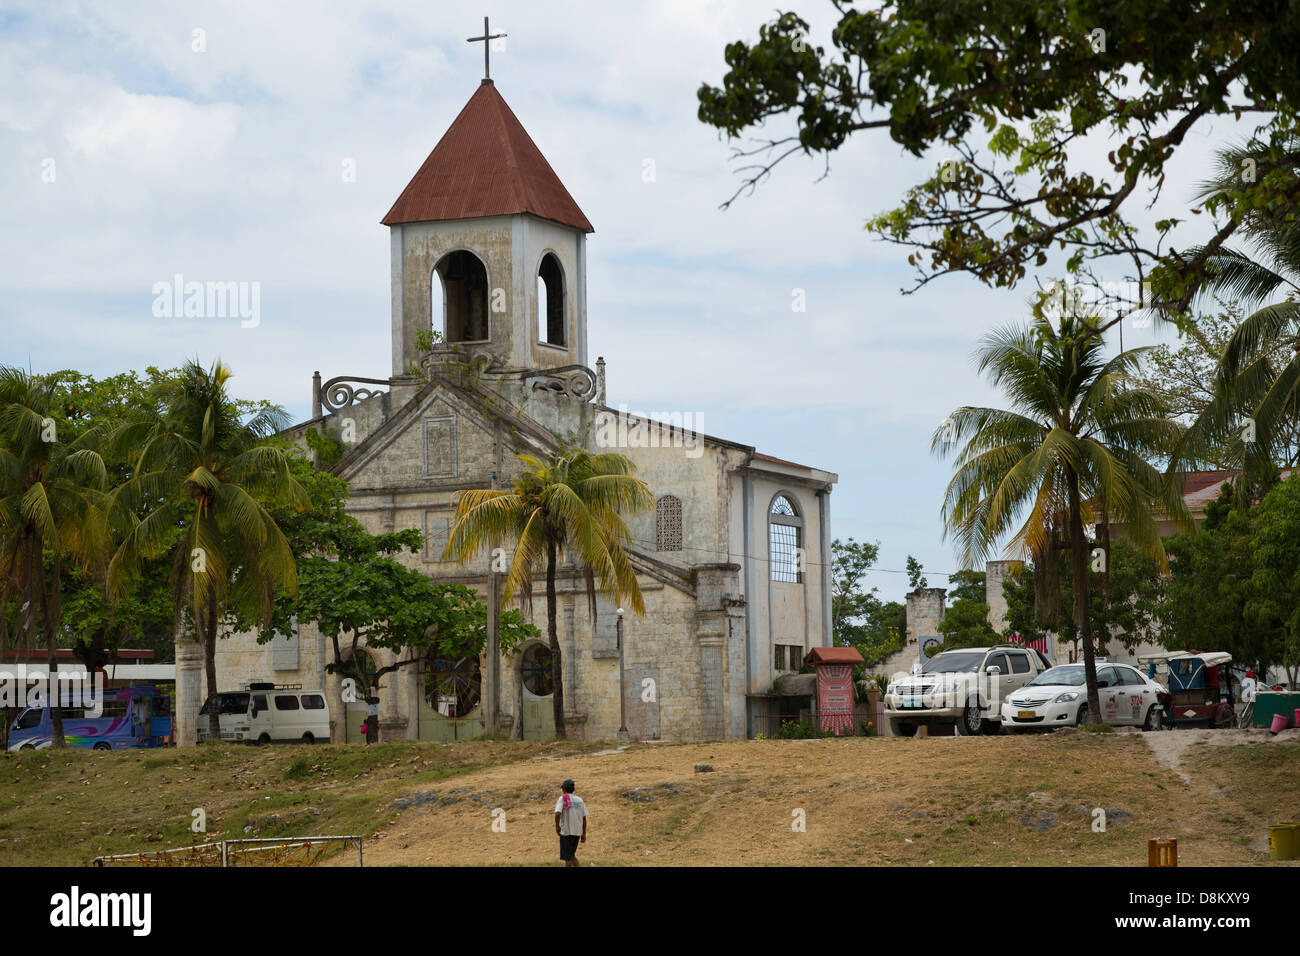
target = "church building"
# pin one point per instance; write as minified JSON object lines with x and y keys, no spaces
{"x":490,"y":360}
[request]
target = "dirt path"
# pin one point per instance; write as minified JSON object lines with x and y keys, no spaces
{"x":1170,"y":747}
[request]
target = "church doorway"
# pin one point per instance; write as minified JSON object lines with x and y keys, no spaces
{"x":354,"y":712}
{"x":537,"y":681}
{"x":450,"y":702}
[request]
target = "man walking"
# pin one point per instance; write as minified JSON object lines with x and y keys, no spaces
{"x":570,"y":823}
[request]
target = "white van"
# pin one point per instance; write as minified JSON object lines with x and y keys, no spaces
{"x":271,"y":713}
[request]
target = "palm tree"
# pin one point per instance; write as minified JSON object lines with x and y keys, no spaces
{"x":1076,"y":446}
{"x":1256,"y":399}
{"x":571,"y":504}
{"x":51,"y":511}
{"x":201,"y":477}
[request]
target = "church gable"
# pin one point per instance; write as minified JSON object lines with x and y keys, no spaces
{"x":438,"y":441}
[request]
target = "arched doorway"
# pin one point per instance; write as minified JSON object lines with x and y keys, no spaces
{"x":537,"y":692}
{"x":451,"y":688}
{"x":354,"y":712}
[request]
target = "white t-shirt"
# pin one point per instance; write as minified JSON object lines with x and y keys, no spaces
{"x":571,"y":819}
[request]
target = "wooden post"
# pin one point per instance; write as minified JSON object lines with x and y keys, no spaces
{"x":1163,"y":853}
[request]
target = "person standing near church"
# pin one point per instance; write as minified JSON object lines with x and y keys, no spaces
{"x":570,"y":823}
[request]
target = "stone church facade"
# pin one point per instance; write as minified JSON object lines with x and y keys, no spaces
{"x":489,"y":360}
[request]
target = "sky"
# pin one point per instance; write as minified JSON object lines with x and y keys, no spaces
{"x":262,"y":143}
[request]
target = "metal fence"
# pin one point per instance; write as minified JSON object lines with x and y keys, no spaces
{"x":253,"y":851}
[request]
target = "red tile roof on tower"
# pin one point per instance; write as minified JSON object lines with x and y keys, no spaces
{"x":486,"y":164}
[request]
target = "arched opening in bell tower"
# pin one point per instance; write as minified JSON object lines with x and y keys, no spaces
{"x":550,"y":302}
{"x":459,"y":297}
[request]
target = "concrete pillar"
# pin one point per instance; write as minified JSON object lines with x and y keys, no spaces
{"x":392,"y":723}
{"x":717,"y":588}
{"x":995,"y":572}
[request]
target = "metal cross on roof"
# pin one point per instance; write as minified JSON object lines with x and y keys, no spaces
{"x":486,"y":39}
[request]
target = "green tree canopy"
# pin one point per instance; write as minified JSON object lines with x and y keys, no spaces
{"x":1002,"y":95}
{"x":1075,"y":448}
{"x":355,"y":588}
{"x":858,"y":617}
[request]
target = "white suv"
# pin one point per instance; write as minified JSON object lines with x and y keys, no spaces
{"x":962,"y":688}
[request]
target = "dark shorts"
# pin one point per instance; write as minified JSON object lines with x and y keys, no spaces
{"x":568,"y":847}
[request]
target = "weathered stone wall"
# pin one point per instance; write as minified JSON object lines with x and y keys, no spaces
{"x":925,"y":609}
{"x":417,"y":248}
{"x":995,"y":573}
{"x":533,"y":238}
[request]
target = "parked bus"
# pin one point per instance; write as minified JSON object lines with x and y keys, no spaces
{"x":135,"y":716}
{"x":266,"y":713}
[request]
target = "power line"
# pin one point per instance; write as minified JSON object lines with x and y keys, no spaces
{"x":652,"y":547}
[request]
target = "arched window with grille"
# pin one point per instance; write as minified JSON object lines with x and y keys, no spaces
{"x":668,"y":524}
{"x":785,"y":540}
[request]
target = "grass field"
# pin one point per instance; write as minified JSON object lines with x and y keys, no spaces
{"x":1022,"y":800}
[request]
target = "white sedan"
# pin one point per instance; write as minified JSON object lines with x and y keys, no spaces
{"x":1058,"y":697}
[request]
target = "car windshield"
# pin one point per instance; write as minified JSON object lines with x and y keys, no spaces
{"x":954,"y":662}
{"x":1071,"y":675}
{"x":229,"y":704}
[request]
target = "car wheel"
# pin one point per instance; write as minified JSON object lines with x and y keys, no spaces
{"x":971,"y":721}
{"x":308,"y":739}
{"x":900,"y":728}
{"x":1082,"y":717}
{"x":263,"y":740}
{"x":27,"y":747}
{"x":1153,"y":720}
{"x":101,"y":746}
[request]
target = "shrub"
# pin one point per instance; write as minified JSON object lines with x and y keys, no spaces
{"x":805,"y":729}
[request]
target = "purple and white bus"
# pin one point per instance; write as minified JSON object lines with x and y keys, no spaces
{"x":135,"y":716}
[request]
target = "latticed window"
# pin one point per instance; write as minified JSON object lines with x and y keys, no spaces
{"x":785,"y":541}
{"x":668,"y":524}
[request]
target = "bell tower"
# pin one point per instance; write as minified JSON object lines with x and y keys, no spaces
{"x":488,"y":249}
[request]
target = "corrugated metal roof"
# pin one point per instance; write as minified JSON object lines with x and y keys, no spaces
{"x":486,"y":164}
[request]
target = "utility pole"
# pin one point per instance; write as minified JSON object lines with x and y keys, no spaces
{"x":623,"y":735}
{"x":492,"y":702}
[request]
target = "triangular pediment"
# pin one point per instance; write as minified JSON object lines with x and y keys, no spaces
{"x":440,"y":436}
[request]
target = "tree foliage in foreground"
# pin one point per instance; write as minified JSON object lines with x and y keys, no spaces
{"x":355,"y":588}
{"x":1002,"y":94}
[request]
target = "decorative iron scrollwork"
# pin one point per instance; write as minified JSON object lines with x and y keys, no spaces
{"x":338,"y":393}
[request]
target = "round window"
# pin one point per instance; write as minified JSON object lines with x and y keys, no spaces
{"x":537,"y":674}
{"x":452,"y":685}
